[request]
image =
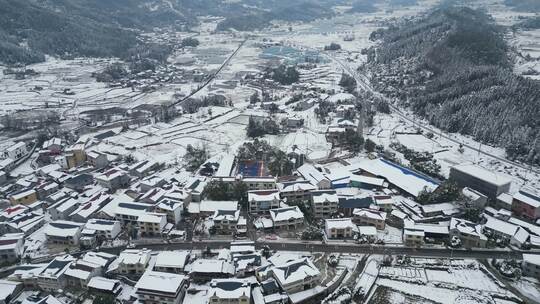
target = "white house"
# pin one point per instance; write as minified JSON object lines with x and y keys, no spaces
{"x":230,"y":291}
{"x":169,"y":288}
{"x":260,"y":201}
{"x":151,"y":223}
{"x":287,"y":218}
{"x":16,"y":151}
{"x":296,"y":275}
{"x":339,"y":228}
{"x":172,"y":261}
{"x":324,"y":203}
{"x":133,"y":261}
{"x":52,"y":277}
{"x":63,"y":232}
{"x":106,"y":229}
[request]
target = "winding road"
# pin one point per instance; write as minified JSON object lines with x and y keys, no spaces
{"x":363,"y":83}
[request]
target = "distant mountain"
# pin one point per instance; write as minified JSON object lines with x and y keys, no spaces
{"x":100,"y":28}
{"x":263,"y":12}
{"x":454,"y":68}
{"x":524,"y":5}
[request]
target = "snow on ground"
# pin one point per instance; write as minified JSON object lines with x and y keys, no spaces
{"x":529,"y":287}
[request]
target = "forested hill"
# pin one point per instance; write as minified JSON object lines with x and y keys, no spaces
{"x":31,"y":28}
{"x":454,"y":68}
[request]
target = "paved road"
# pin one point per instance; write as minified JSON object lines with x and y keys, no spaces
{"x":212,"y":77}
{"x":363,"y":83}
{"x":330,"y":248}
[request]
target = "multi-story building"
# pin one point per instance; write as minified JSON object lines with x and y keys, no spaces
{"x":172,"y":261}
{"x":226,"y":221}
{"x":11,"y":246}
{"x":480,"y":179}
{"x":261,"y":201}
{"x":171,"y":208}
{"x":80,"y":272}
{"x":97,"y":159}
{"x":151,"y":223}
{"x":52,"y":277}
{"x":16,"y":151}
{"x":526,"y":204}
{"x":229,"y":291}
{"x":26,"y":197}
{"x":133,"y":261}
{"x":129,"y":212}
{"x":370,"y":217}
{"x":161,"y":288}
{"x":105,"y":229}
{"x":63,"y":232}
{"x":324,"y":203}
{"x":113,"y":179}
{"x":289,"y":218}
{"x":296,"y":191}
{"x":413,"y":237}
{"x":339,"y":228}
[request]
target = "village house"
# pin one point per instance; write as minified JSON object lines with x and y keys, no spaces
{"x":526,"y":204}
{"x":261,"y":201}
{"x":62,"y":209}
{"x":169,"y":288}
{"x":89,"y":208}
{"x":172,"y":261}
{"x":296,"y":191}
{"x":226,"y":221}
{"x":469,"y":233}
{"x":25,"y":197}
{"x":204,"y":270}
{"x":324,"y":203}
{"x":172,"y":209}
{"x":143,"y":168}
{"x":347,"y":205}
{"x":63,"y":232}
{"x":133,"y":261}
{"x":46,"y":188}
{"x":11,"y":246}
{"x":129,"y":212}
{"x":369,"y":217}
{"x":26,"y":223}
{"x":105,"y":229}
{"x":52,"y":277}
{"x":97,"y":159}
{"x":113,"y":179}
{"x":230,"y":291}
{"x":340,"y":228}
{"x":288,"y":218}
{"x":79,"y":273}
{"x":151,"y":223}
{"x":297,"y":275}
{"x":79,"y":182}
{"x":413,"y":237}
{"x":16,"y":151}
{"x":314,"y":176}
{"x":101,"y":285}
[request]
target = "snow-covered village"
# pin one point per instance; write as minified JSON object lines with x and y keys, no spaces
{"x":262,"y":158}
